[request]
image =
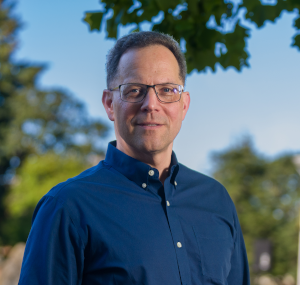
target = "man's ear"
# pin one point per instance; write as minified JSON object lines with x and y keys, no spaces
{"x":186,"y":103}
{"x":107,"y":101}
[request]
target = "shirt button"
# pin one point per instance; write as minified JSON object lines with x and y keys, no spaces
{"x":175,"y":183}
{"x":144,"y":185}
{"x":179,"y":244}
{"x":151,"y":172}
{"x":168,"y":203}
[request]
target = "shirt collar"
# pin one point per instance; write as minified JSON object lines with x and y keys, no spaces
{"x":132,"y":168}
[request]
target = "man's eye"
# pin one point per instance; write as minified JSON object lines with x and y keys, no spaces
{"x":168,"y":90}
{"x":132,"y":91}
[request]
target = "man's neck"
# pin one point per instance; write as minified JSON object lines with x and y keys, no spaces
{"x":161,"y":160}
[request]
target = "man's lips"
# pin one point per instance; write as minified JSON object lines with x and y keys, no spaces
{"x":150,"y":125}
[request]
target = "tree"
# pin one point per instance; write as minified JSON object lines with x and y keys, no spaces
{"x":266,"y":196}
{"x":38,"y":174}
{"x":210,"y":31}
{"x":33,"y":120}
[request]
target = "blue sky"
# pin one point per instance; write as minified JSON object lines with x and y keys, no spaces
{"x":262,"y":101}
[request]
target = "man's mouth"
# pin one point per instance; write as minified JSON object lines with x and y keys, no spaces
{"x":150,"y":125}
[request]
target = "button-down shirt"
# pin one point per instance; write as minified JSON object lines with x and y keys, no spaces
{"x":116,"y":223}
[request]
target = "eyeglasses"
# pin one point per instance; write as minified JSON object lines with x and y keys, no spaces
{"x":136,"y":92}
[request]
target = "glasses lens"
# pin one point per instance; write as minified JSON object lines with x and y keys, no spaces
{"x":133,"y":92}
{"x":168,"y":92}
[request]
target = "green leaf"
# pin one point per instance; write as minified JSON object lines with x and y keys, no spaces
{"x":236,"y":55}
{"x":216,"y":8}
{"x":297,"y":23}
{"x":94,"y":19}
{"x":296,"y":42}
{"x":165,"y":5}
{"x":112,"y":28}
{"x":259,"y":13}
{"x":135,"y":30}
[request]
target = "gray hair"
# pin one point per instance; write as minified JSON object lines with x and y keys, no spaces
{"x":140,"y":40}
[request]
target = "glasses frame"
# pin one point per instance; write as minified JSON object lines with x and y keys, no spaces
{"x":148,"y":86}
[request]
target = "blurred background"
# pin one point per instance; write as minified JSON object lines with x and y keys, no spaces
{"x":243,"y":126}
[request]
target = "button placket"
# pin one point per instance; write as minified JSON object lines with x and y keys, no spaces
{"x":177,"y":234}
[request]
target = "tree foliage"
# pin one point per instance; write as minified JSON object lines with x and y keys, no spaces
{"x":210,"y":30}
{"x":34,"y":120}
{"x":38,"y":174}
{"x":266,"y":196}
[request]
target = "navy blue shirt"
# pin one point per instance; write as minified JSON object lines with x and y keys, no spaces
{"x":116,"y":224}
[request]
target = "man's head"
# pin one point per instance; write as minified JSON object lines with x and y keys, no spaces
{"x":140,"y":40}
{"x":149,"y":126}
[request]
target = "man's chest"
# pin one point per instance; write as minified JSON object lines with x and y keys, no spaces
{"x":136,"y":238}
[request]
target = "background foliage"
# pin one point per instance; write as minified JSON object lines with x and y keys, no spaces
{"x":35,"y":121}
{"x":266,"y":196}
{"x":210,"y":31}
{"x":38,"y":174}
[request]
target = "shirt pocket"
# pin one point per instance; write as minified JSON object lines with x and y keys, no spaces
{"x":215,"y":246}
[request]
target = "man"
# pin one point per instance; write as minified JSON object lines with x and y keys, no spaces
{"x":138,"y":217}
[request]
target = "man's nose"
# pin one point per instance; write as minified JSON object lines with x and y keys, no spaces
{"x":150,"y":102}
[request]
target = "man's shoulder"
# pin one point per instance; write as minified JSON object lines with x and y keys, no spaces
{"x":76,"y":195}
{"x":202,"y":185}
{"x":78,"y":184}
{"x":189,"y":175}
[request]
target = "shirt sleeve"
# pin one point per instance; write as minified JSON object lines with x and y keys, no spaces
{"x":239,"y":273}
{"x":54,"y":252}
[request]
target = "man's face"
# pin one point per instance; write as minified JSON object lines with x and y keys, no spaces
{"x":149,"y":126}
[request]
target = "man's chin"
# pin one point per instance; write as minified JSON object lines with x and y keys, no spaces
{"x":152,"y":147}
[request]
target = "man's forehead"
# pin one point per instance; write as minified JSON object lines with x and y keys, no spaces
{"x":156,"y":58}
